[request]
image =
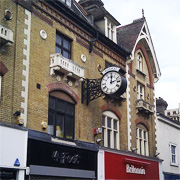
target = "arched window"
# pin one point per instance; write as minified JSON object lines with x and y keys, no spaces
{"x":110,"y":130}
{"x":61,"y":115}
{"x":142,"y":140}
{"x":139,"y":61}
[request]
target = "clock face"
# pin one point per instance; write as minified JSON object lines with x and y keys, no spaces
{"x":111,"y":82}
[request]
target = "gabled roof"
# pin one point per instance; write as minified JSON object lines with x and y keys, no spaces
{"x":127,"y":35}
{"x":130,"y":35}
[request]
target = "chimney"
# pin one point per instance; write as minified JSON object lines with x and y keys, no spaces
{"x":161,"y":105}
{"x":91,"y":5}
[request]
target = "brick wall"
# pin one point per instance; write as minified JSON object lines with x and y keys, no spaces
{"x":12,"y":57}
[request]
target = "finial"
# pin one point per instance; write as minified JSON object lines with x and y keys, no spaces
{"x":143,"y":13}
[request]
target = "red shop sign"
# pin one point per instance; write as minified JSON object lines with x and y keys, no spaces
{"x":119,"y":166}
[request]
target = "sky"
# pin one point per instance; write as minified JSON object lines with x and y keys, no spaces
{"x":163,"y":19}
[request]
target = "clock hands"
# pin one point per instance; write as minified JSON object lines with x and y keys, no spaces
{"x":111,"y":79}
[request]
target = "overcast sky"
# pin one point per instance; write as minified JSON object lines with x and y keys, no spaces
{"x":163,"y":19}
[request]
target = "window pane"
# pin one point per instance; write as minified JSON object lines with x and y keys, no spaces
{"x":69,"y":128}
{"x":66,"y":54}
{"x":173,"y":159}
{"x":144,"y":147}
{"x":108,"y":33}
{"x":58,"y":50}
{"x":140,"y":89}
{"x":50,"y":122}
{"x":173,"y":149}
{"x":60,"y":106}
{"x":115,"y":124}
{"x":58,"y":39}
{"x":103,"y":120}
{"x":109,"y":122}
{"x":103,"y":132}
{"x":70,"y":109}
{"x":115,"y":144}
{"x":112,"y":35}
{"x":59,"y":126}
{"x":144,"y":134}
{"x":66,"y":44}
{"x":140,"y":146}
{"x":109,"y":138}
{"x":51,"y":103}
{"x":140,"y":133}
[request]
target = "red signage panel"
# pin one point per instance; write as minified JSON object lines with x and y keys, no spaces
{"x":119,"y":166}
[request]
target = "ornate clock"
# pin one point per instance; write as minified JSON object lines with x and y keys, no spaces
{"x":113,"y":82}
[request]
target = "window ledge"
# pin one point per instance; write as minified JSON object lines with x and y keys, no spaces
{"x":140,"y":72}
{"x":173,"y":164}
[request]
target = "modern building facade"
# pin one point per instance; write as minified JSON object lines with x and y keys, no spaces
{"x":83,"y":88}
{"x":168,"y":142}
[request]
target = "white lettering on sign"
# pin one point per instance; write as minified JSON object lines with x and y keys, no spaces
{"x":134,"y":170}
{"x":110,"y":69}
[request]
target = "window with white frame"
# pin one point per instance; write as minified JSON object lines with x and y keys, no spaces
{"x":140,"y":91}
{"x":173,"y":153}
{"x":139,"y":61}
{"x":110,"y":127}
{"x":142,"y":140}
{"x":110,"y":30}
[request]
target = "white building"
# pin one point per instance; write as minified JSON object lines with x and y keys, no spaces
{"x":168,"y":143}
{"x":13,"y":152}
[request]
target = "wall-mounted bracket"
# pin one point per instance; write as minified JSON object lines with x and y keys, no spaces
{"x":91,"y":89}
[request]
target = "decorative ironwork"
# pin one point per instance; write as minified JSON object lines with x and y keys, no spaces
{"x":91,"y":89}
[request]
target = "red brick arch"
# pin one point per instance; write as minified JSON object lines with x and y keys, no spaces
{"x":62,"y":87}
{"x":142,"y":121}
{"x":142,"y":49}
{"x":108,"y":107}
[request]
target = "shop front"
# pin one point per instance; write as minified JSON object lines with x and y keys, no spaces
{"x":120,"y":165}
{"x":53,"y":160}
{"x":13,"y":151}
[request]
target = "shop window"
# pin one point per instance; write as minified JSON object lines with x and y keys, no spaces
{"x":140,"y":91}
{"x":142,"y":140}
{"x":173,"y":153}
{"x":61,"y":116}
{"x":139,"y":61}
{"x":63,"y":45}
{"x":110,"y":127}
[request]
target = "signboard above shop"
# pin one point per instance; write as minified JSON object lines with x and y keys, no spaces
{"x":119,"y":166}
{"x":60,"y":156}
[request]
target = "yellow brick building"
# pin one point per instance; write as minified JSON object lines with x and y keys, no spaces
{"x":53,"y":63}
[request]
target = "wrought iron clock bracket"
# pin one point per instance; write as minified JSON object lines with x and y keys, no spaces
{"x":91,"y":89}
